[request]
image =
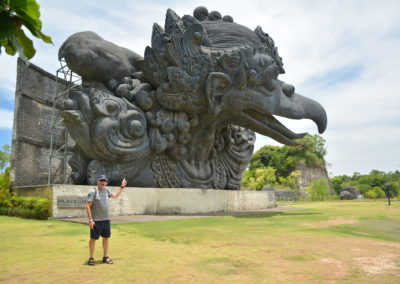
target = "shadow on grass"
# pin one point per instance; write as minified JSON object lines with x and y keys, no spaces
{"x":382,"y":229}
{"x":272,"y":214}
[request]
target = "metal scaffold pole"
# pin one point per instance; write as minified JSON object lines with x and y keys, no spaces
{"x":66,"y":80}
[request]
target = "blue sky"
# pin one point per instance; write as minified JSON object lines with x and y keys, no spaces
{"x":344,"y":54}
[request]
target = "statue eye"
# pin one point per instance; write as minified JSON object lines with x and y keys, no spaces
{"x":111,"y":107}
{"x":136,"y":128}
{"x":288,"y":90}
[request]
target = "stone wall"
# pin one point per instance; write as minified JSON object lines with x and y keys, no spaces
{"x":311,"y":173}
{"x":286,"y":195}
{"x":33,"y":113}
{"x":156,"y":200}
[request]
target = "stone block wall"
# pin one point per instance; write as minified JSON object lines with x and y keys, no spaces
{"x":135,"y":200}
{"x":33,"y":113}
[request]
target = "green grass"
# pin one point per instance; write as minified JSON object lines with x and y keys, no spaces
{"x":300,"y":257}
{"x":285,"y":247}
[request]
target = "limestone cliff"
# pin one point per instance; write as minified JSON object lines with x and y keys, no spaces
{"x":310,"y":173}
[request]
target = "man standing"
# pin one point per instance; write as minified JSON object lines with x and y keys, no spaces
{"x":99,"y":220}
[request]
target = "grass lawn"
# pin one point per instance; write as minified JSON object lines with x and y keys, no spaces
{"x":328,"y":242}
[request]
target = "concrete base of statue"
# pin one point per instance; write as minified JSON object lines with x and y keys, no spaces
{"x":69,"y":200}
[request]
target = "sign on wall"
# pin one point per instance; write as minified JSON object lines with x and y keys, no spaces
{"x":71,"y":201}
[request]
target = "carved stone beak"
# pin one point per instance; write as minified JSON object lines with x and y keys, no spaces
{"x":299,"y":107}
{"x":260,"y":117}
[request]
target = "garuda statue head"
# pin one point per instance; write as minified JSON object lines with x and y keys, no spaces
{"x":186,"y":113}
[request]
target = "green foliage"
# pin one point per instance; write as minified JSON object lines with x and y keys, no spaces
{"x":375,"y":193}
{"x":311,"y":151}
{"x":283,"y":161}
{"x":395,"y":188}
{"x":338,"y":182}
{"x":363,"y":188}
{"x":15,"y":14}
{"x":27,"y":207}
{"x":369,"y":184}
{"x":257,"y":179}
{"x":5,"y":184}
{"x":291,"y":180}
{"x":318,"y":190}
{"x":5,"y":156}
{"x":370,"y":194}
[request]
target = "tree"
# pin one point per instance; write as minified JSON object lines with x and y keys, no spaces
{"x":339,"y":182}
{"x":291,"y":181}
{"x":258,"y":178}
{"x":5,"y":156}
{"x":375,"y":193}
{"x":14,"y":14}
{"x":318,"y":190}
{"x":370,"y":184}
{"x":311,"y":150}
{"x":363,"y":188}
{"x":283,"y":160}
{"x":5,"y":183}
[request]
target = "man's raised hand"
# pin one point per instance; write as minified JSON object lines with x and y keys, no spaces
{"x":123,"y":183}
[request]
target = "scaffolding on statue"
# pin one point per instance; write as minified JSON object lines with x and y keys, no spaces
{"x":60,"y":152}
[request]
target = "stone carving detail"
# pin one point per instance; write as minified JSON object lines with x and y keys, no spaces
{"x":78,"y":163}
{"x":186,"y":113}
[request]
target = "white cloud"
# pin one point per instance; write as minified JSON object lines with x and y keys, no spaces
{"x":6,"y":119}
{"x":8,"y":75}
{"x":374,"y":147}
{"x":317,"y":40}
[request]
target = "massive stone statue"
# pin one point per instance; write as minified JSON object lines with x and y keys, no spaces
{"x":186,"y":113}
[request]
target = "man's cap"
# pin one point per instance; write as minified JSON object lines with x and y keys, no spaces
{"x":102,"y":177}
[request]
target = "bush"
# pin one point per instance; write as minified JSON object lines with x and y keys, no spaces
{"x":375,"y":193}
{"x":5,"y":184}
{"x":370,"y":194}
{"x":292,"y":180}
{"x":258,"y":178}
{"x":318,"y":190}
{"x":26,"y":207}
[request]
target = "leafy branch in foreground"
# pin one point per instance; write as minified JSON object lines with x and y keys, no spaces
{"x":14,"y":15}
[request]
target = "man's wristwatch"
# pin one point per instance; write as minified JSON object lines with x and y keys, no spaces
{"x":91,"y":221}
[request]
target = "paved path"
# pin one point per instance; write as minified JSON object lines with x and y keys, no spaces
{"x":154,"y":218}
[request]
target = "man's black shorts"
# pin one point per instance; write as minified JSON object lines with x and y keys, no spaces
{"x":101,"y":228}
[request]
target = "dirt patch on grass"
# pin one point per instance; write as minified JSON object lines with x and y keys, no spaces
{"x":333,"y":260}
{"x":329,"y":223}
{"x":393,"y":245}
{"x":347,"y":256}
{"x":339,"y":269}
{"x":379,"y":264}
